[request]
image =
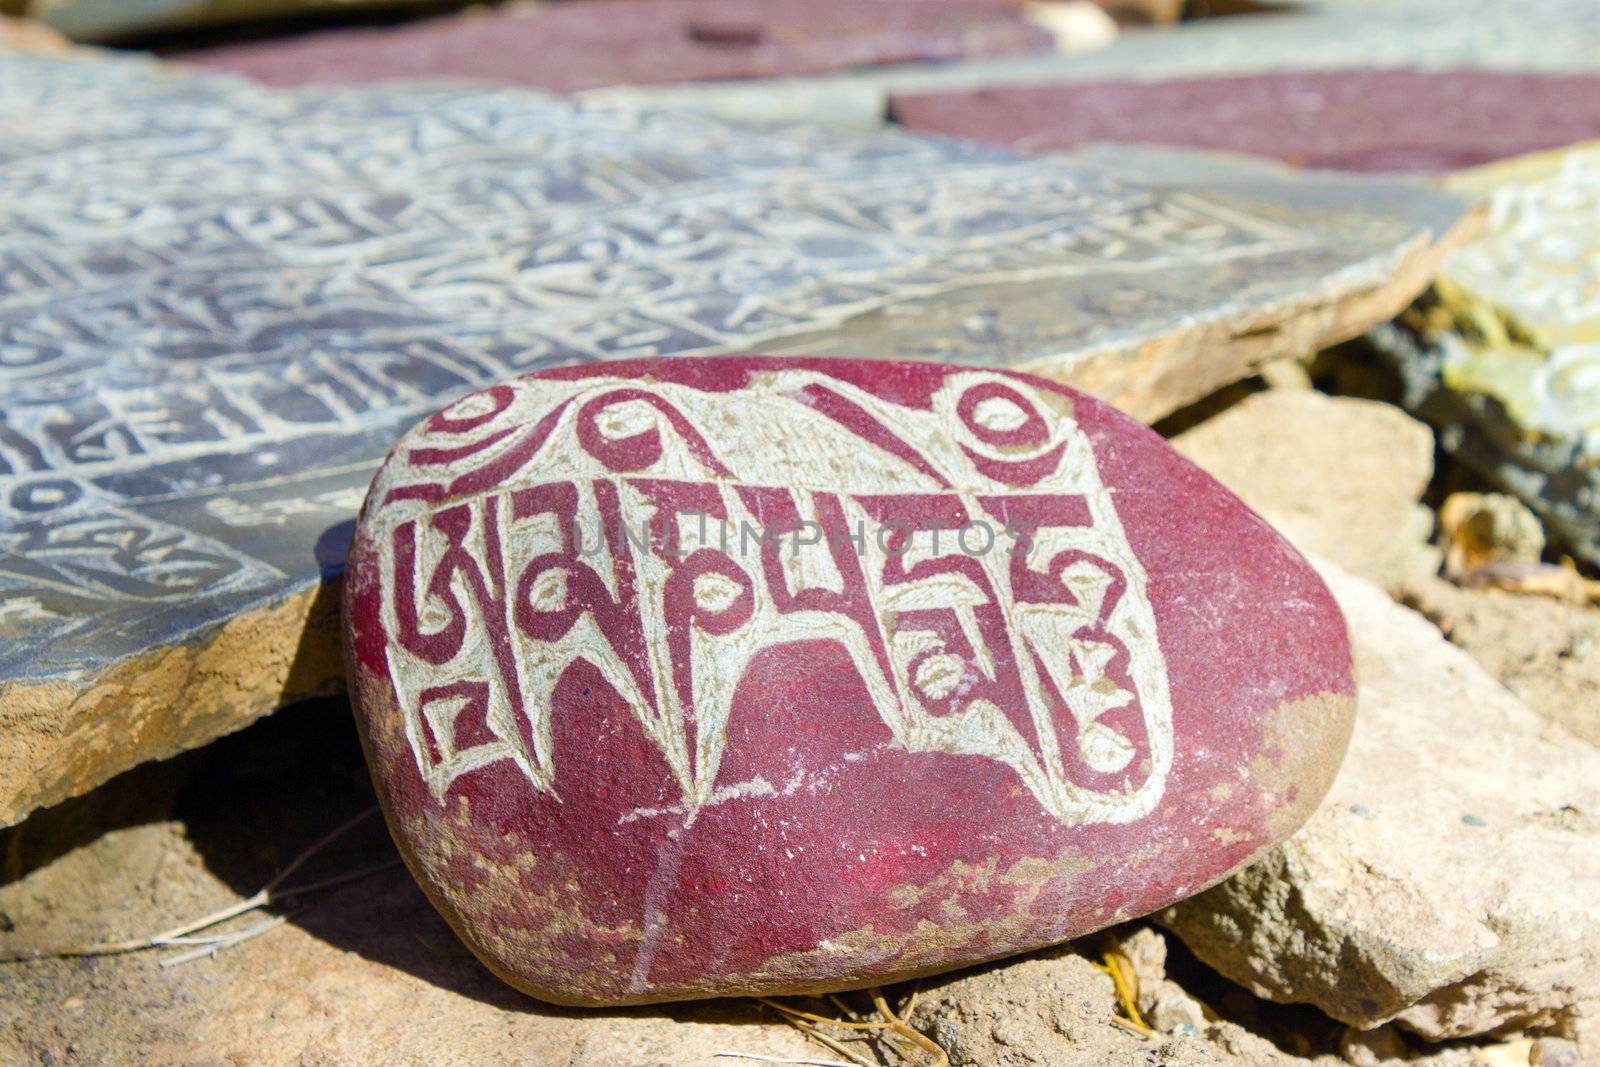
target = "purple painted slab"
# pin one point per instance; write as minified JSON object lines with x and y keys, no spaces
{"x":700,"y":677}
{"x":574,"y":46}
{"x":1355,"y":120}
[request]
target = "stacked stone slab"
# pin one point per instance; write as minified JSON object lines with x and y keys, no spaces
{"x":222,"y":304}
{"x":1503,"y":356}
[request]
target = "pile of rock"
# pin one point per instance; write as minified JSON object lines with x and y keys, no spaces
{"x":626,"y":761}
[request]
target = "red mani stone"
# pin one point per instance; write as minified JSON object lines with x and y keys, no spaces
{"x":572,"y":46}
{"x":1354,"y":120}
{"x":669,"y":691}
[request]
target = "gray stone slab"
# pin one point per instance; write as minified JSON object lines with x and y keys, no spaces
{"x":220,"y":303}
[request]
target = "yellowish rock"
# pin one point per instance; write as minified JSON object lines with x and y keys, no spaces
{"x":1503,"y":356}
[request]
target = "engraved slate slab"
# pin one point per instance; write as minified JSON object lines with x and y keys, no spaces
{"x":694,"y":677}
{"x":584,"y":45}
{"x":1503,"y":356}
{"x":220,"y":304}
{"x":1360,"y":120}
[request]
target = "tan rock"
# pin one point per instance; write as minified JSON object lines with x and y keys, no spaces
{"x":29,"y":37}
{"x":1339,"y":477}
{"x":1172,"y":1008}
{"x":1451,"y":880}
{"x":1055,"y":1008}
{"x":368,"y":973}
{"x":1481,"y":528}
{"x":1372,"y":1048}
{"x":1545,"y":650}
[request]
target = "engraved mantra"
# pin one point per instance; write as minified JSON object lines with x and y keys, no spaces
{"x":1043,"y":658}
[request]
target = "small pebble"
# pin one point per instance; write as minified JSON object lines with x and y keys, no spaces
{"x":1474,"y":820}
{"x":1362,"y":810}
{"x":1554,"y":1052}
{"x":1187,"y":1029}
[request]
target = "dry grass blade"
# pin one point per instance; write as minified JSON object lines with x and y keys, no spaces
{"x":1126,"y":982}
{"x":268,"y":894}
{"x":889,"y":1024}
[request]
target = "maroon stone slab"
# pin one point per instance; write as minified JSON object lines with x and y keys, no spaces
{"x":669,"y":690}
{"x":1355,"y":120}
{"x":589,"y":44}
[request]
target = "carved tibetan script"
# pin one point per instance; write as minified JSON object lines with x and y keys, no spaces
{"x":691,"y":531}
{"x":220,"y":304}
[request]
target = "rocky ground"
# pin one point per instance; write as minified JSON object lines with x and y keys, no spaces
{"x":1378,"y":934}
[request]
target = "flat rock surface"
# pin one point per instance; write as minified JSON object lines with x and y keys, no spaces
{"x":1537,"y":36}
{"x":1355,"y":120}
{"x":1341,"y":478}
{"x":583,"y":45}
{"x":223,"y":303}
{"x":1544,"y":650}
{"x":369,"y":970}
{"x":643,"y":737}
{"x":1449,"y":881}
{"x":1504,"y":354}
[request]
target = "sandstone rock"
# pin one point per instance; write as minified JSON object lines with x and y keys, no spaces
{"x":671,"y":688}
{"x":1339,"y":477}
{"x":1477,"y":529}
{"x":1172,"y":1008}
{"x":1449,"y":880}
{"x":1147,"y":952}
{"x":1358,"y":120}
{"x":262,"y":295}
{"x":1372,"y":1048}
{"x":29,"y":36}
{"x":1504,"y":355}
{"x":1555,"y":1052}
{"x":1544,"y":650}
{"x":1053,"y":1008}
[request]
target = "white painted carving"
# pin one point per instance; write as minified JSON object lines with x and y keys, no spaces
{"x":1042,"y":657}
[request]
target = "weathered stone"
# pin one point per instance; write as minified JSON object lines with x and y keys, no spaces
{"x":1339,"y":477}
{"x":1544,"y":36}
{"x":1448,"y":882}
{"x":1504,"y":355}
{"x":1555,"y":1052}
{"x":211,"y":340}
{"x":671,"y":689}
{"x":1544,"y":650}
{"x":1479,"y":529}
{"x":28,"y":36}
{"x":585,"y":45}
{"x":1358,"y":120}
{"x":1372,"y":1048}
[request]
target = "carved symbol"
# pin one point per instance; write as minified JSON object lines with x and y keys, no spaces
{"x":656,"y":564}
